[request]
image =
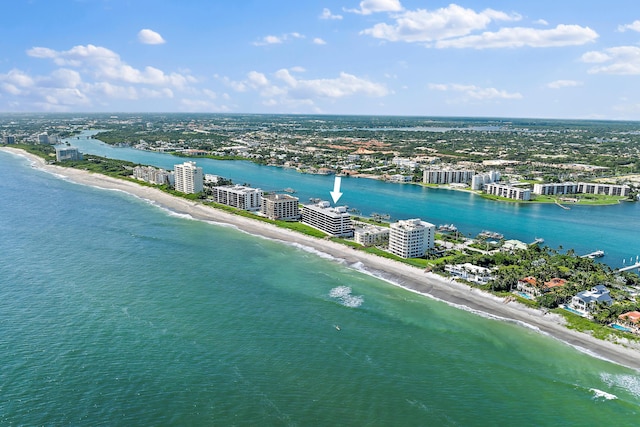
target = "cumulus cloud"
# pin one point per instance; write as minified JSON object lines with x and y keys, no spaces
{"x":147,"y":36}
{"x":199,"y":105}
{"x":271,"y":39}
{"x":562,"y":35}
{"x":455,"y":26}
{"x":104,"y":64}
{"x":615,"y":60}
{"x":326,"y":14}
{"x":634,"y":26}
{"x":367,"y":7}
{"x":319,"y":41}
{"x":475,"y":92}
{"x":559,"y":84}
{"x":287,"y":88}
{"x":88,"y":77}
{"x":426,"y":26}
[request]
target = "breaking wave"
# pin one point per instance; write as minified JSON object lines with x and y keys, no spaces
{"x":344,"y":296}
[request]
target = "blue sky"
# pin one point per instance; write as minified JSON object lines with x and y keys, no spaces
{"x":538,"y":59}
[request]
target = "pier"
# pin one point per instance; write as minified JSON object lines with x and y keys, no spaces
{"x":630,"y":267}
{"x":592,"y":255}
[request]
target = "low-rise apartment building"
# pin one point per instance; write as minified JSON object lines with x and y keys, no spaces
{"x":371,"y":235}
{"x":508,"y":191}
{"x":552,"y":189}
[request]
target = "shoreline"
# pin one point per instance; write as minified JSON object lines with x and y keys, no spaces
{"x":395,"y":273}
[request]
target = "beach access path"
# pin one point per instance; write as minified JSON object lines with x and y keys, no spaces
{"x":397,"y":273}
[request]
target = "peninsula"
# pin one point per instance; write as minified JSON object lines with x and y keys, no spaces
{"x":399,"y":274}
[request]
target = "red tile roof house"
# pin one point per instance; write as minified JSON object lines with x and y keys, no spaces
{"x":531,"y":287}
{"x":631,"y":319}
{"x":528,"y":285}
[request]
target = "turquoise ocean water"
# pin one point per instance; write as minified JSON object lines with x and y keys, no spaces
{"x":116,"y":312}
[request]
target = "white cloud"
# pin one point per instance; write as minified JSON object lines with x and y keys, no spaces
{"x":559,"y":84}
{"x":367,"y":7}
{"x":271,"y":39}
{"x":104,"y":64}
{"x":288,"y":89}
{"x":326,"y":14}
{"x":199,"y":105}
{"x":148,"y":36}
{"x":88,"y":77}
{"x":476,"y":92}
{"x":634,"y":26}
{"x":562,"y":35}
{"x":616,"y":60}
{"x":541,"y":22}
{"x":342,"y":86}
{"x":268,"y":40}
{"x":112,"y":91}
{"x":257,"y":79}
{"x":457,"y":27}
{"x":426,"y":26}
{"x":319,"y":41}
{"x":17,"y":79}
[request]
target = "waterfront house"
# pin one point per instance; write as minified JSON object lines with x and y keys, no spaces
{"x":528,"y":285}
{"x":556,"y":282}
{"x":470,"y":272}
{"x":631,"y":319}
{"x":586,"y":301}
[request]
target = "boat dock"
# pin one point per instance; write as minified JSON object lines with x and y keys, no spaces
{"x":595,"y":254}
{"x":630,"y":266}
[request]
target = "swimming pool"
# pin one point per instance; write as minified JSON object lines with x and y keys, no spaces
{"x":566,"y":307}
{"x":620,"y":328}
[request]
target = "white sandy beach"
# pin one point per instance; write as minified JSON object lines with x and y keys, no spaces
{"x":411,"y":278}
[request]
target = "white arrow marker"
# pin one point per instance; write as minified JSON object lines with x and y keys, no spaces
{"x":336,"y":194}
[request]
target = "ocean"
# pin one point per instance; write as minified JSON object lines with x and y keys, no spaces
{"x":114,"y":311}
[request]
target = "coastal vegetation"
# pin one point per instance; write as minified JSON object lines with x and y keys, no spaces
{"x":526,"y":151}
{"x":542,"y":262}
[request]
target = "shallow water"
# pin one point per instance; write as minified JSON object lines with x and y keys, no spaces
{"x":114,"y":311}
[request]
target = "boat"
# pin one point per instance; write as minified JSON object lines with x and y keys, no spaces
{"x":337,"y":327}
{"x":490,"y":235}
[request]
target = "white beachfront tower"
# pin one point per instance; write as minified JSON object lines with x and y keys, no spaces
{"x":334,"y":221}
{"x":189,"y":178}
{"x":238,"y":196}
{"x":411,"y":238}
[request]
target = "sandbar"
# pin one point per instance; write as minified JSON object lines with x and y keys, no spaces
{"x":397,"y":273}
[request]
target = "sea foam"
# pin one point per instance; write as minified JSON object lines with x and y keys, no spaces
{"x":599,"y":393}
{"x":630,"y":383}
{"x":344,"y":296}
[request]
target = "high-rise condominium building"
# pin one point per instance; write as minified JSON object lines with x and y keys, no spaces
{"x":411,"y":238}
{"x":189,"y":178}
